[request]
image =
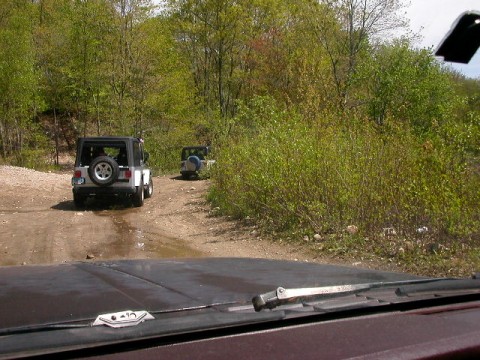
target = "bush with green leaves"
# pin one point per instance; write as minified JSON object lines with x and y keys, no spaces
{"x":289,"y":176}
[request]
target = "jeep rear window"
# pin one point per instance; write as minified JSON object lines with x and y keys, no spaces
{"x":91,"y":150}
{"x":200,"y":152}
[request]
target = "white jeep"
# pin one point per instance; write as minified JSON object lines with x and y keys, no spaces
{"x":111,"y":166}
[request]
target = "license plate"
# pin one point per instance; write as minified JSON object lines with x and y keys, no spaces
{"x":78,"y":181}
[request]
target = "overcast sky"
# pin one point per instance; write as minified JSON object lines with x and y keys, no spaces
{"x":433,"y":18}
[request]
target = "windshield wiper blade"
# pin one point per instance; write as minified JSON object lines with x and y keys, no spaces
{"x":439,"y":287}
{"x":280,"y":296}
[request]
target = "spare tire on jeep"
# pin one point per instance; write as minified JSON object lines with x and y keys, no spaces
{"x":103,"y":171}
{"x":193,"y":163}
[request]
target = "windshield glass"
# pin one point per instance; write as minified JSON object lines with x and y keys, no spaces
{"x":141,"y":139}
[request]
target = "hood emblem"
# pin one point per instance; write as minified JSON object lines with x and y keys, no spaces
{"x":122,"y":319}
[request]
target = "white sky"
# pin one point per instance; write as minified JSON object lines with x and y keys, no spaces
{"x":433,"y":18}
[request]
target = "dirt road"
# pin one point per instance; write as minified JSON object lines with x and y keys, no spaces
{"x":40,"y":225}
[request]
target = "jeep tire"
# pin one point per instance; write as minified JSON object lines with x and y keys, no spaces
{"x":103,"y":171}
{"x":139,"y":196}
{"x":149,"y":189}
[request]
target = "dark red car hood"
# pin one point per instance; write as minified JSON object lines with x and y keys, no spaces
{"x":31,"y":295}
{"x":203,"y":309}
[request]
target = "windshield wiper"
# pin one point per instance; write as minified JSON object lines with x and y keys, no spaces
{"x":438,"y":287}
{"x":280,"y":296}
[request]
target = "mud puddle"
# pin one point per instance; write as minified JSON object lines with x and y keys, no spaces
{"x":141,"y":238}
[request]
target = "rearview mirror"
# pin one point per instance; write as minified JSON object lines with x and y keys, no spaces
{"x":463,"y":39}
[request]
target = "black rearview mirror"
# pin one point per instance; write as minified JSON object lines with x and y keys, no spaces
{"x":463,"y":39}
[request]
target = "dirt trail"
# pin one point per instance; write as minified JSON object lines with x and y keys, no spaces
{"x":40,"y":225}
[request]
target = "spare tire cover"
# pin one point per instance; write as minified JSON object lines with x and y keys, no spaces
{"x":193,"y":163}
{"x":103,"y":171}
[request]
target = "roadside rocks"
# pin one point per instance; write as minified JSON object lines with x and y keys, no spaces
{"x":18,"y":176}
{"x":315,"y":238}
{"x":352,"y":229}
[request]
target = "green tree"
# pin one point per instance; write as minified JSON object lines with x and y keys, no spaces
{"x":217,"y":36}
{"x":346,"y":29}
{"x":17,"y":77}
{"x":406,"y":85}
{"x":161,"y":91}
{"x":90,"y":23}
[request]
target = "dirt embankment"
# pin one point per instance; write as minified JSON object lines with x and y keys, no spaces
{"x":40,"y":224}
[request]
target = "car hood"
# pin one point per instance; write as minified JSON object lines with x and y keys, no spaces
{"x":33,"y":295}
{"x":51,"y":310}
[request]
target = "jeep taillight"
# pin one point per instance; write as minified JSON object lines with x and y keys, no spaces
{"x":77,"y":174}
{"x":128,"y":174}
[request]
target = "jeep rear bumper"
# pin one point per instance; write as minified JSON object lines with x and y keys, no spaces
{"x":94,"y":190}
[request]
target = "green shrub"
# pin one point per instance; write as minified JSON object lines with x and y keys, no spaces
{"x":290,"y":175}
{"x":38,"y":159}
